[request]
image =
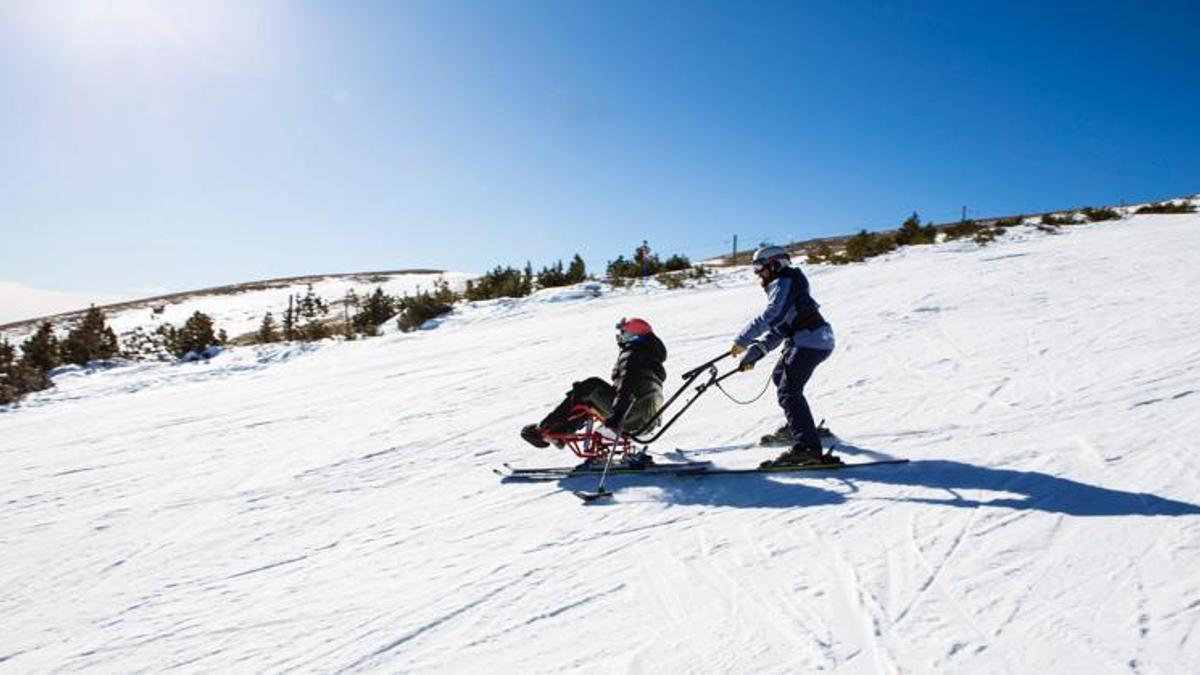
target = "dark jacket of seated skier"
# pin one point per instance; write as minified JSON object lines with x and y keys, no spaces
{"x":629,"y":403}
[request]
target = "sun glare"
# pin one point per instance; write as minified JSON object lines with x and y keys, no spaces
{"x":122,"y":33}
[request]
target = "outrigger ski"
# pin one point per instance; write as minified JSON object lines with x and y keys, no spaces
{"x":552,"y":472}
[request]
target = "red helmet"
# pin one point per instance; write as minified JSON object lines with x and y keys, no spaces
{"x":629,"y":330}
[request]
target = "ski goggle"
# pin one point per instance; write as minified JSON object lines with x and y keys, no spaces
{"x":760,"y":265}
{"x":624,"y":336}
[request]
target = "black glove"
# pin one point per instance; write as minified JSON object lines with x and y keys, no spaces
{"x":613,"y":422}
{"x":753,"y":355}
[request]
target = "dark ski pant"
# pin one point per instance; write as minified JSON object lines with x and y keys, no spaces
{"x":593,"y":392}
{"x":790,"y":376}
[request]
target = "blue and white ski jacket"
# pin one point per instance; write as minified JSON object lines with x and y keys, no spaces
{"x":787,"y":299}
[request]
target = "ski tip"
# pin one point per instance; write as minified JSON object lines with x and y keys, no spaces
{"x":589,"y":497}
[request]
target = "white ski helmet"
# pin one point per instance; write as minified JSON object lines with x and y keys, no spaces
{"x":770,"y":257}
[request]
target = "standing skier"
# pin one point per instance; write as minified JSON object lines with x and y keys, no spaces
{"x":791,"y":317}
{"x":629,"y":403}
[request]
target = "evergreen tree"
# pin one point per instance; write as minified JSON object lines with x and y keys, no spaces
{"x":40,"y":352}
{"x":867,"y":245}
{"x":911,"y":232}
{"x":577,"y":271}
{"x":267,"y":331}
{"x":195,"y":337}
{"x":527,"y":282}
{"x":552,"y":276}
{"x":502,"y":282}
{"x":312,"y":309}
{"x":643,"y":263}
{"x":416,"y":310}
{"x":820,"y":253}
{"x":289,"y":320}
{"x":375,"y":310}
{"x":677,"y":262}
{"x":8,"y":375}
{"x":92,"y":339}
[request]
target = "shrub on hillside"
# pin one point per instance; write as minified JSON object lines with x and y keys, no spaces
{"x":142,"y":345}
{"x":502,"y":282}
{"x":268,"y":332}
{"x":671,"y":281}
{"x":911,"y":232}
{"x":1100,"y":215}
{"x":30,"y":372}
{"x":866,"y":245}
{"x":623,"y":269}
{"x":644,"y":263}
{"x":308,"y":320}
{"x":1168,"y":208}
{"x":194,"y":338}
{"x":820,"y":253}
{"x":1057,"y":220}
{"x":92,"y":339}
{"x":1008,"y":222}
{"x":375,"y":311}
{"x":9,"y":392}
{"x":676,"y":263}
{"x":425,"y":305}
{"x":961,"y":229}
{"x":552,"y":276}
{"x":41,"y":351}
{"x":577,"y":270}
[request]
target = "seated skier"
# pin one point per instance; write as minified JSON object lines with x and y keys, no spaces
{"x":629,"y":404}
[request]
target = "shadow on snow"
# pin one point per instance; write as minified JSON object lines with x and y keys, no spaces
{"x":1023,"y":490}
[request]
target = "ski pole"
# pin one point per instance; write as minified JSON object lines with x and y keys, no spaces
{"x":692,"y":373}
{"x":600,"y":491}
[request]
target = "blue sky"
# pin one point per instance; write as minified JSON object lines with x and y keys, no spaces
{"x":170,"y":145}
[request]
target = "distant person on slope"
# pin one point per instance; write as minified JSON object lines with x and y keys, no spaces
{"x":792,"y":317}
{"x":629,"y":403}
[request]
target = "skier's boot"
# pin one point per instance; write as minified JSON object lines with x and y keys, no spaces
{"x":780,"y":436}
{"x":637,"y":460}
{"x":532,"y":434}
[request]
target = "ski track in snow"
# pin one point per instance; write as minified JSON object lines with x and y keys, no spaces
{"x":332,"y":508}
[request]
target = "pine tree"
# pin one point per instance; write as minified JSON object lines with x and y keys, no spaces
{"x":552,"y":276}
{"x":376,"y":309}
{"x":195,"y":337}
{"x":267,"y":331}
{"x":40,"y":352}
{"x":912,"y":233}
{"x":8,"y":377}
{"x":527,"y":282}
{"x":577,"y":271}
{"x":91,"y":340}
{"x":289,"y":320}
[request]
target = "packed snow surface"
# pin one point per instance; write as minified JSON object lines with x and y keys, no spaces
{"x":333,"y":507}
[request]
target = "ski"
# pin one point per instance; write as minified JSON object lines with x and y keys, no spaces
{"x":716,"y":471}
{"x":691,"y":469}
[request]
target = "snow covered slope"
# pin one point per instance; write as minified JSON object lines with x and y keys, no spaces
{"x":239,"y":309}
{"x":332,"y":507}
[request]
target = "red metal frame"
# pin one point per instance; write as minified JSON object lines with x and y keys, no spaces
{"x":589,"y":443}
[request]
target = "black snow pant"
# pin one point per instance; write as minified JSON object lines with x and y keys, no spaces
{"x":790,"y":376}
{"x":593,"y":392}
